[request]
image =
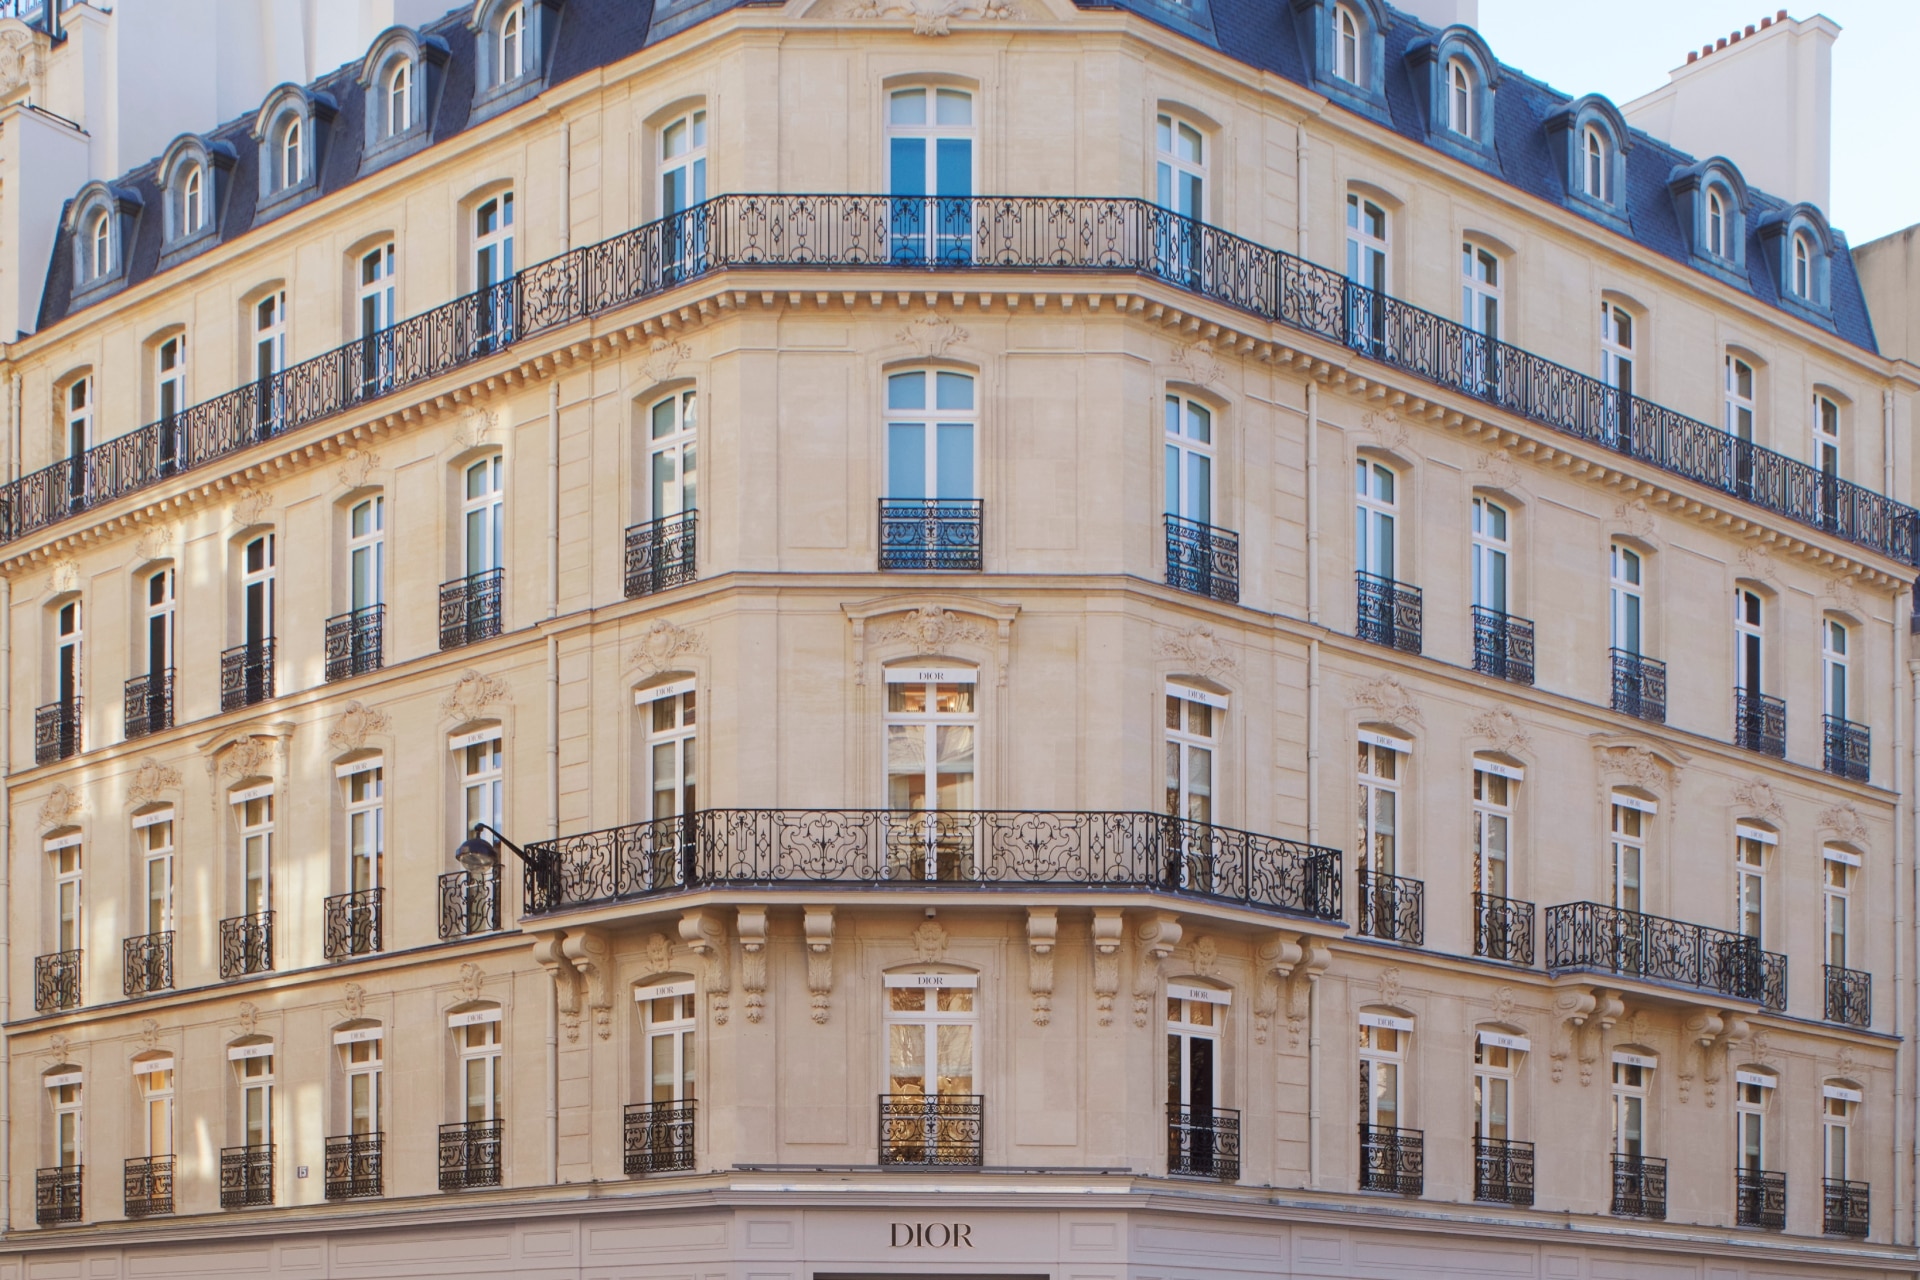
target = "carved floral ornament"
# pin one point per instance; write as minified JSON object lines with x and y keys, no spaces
{"x":1198,"y":362}
{"x":251,"y":507}
{"x":248,"y":757}
{"x":472,"y":694}
{"x":930,"y":629}
{"x":931,"y":17}
{"x":1504,"y":731}
{"x":1846,"y":824}
{"x":1389,"y":700}
{"x":21,"y":61}
{"x":1197,"y":651}
{"x":664,"y":357}
{"x":154,"y":544}
{"x":906,"y":628}
{"x":931,"y":335}
{"x":357,"y":468}
{"x":151,"y":780}
{"x":63,"y":806}
{"x":1756,"y":797}
{"x":356,"y":722}
{"x":1636,"y":765}
{"x":661,"y":644}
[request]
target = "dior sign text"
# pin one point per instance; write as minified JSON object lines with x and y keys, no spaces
{"x":932,"y":1235}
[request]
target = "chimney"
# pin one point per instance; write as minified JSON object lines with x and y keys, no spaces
{"x":1442,"y":13}
{"x":1762,"y":96}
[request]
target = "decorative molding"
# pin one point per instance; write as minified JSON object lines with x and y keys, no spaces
{"x":1502,"y":1004}
{"x":251,"y":507}
{"x":1389,"y":700}
{"x":931,"y":17}
{"x":1315,"y":957}
{"x":151,"y":780}
{"x":1389,"y":983}
{"x":1388,"y":431}
{"x":1274,"y":957}
{"x":471,"y":695}
{"x":471,"y":980}
{"x":1756,"y":561}
{"x":661,"y":643}
{"x":475,"y":428}
{"x":62,"y":577}
{"x":355,"y":723}
{"x":248,"y":1016}
{"x":659,"y":953}
{"x":1198,"y":362}
{"x":1844,"y":1063}
{"x":1634,"y":517}
{"x":357,"y":468}
{"x":930,"y":629}
{"x":549,"y":951}
{"x":1756,"y":796}
{"x":1109,"y":931}
{"x":931,"y":334}
{"x":1845,"y":595}
{"x":592,"y":959}
{"x":154,"y":544}
{"x":1845,"y":822}
{"x":929,"y":942}
{"x":705,"y":933}
{"x":819,"y":933}
{"x":663,"y":357}
{"x":247,"y":757}
{"x":60,"y":1046}
{"x":22,"y":60}
{"x":354,"y":999}
{"x":1206,"y":956}
{"x":1504,"y":731}
{"x":1638,"y":765}
{"x":1699,"y":1030}
{"x":1197,"y":651}
{"x":1497,"y":466}
{"x":1043,"y":927}
{"x":751,"y":922}
{"x":149,"y":1035}
{"x":1157,"y":936}
{"x":64,"y":805}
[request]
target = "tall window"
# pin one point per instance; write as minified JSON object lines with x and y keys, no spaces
{"x":1366,"y":243}
{"x":1480,"y":290}
{"x":1596,"y":171}
{"x":1631,"y":1082}
{"x":1626,"y":584}
{"x":1193,"y":1054}
{"x":1346,"y":45}
{"x":1802,"y":279}
{"x":287,"y":154}
{"x":1739,"y":398}
{"x":1833,"y":660}
{"x":1191,"y":736}
{"x":159,"y":612}
{"x":1839,"y":898}
{"x":930,"y":155}
{"x":256,"y":1100}
{"x":1716,"y":224}
{"x":670,"y":1024}
{"x":100,"y":245}
{"x":66,"y":1123}
{"x":482,"y":782}
{"x":376,"y":290}
{"x":192,"y":201}
{"x":1382,"y":1057}
{"x":683,"y":163}
{"x":68,"y":639}
{"x":1379,"y":808}
{"x":79,"y":417}
{"x":513,"y":43}
{"x":1374,"y":515}
{"x":671,"y":752}
{"x":69,"y":933}
{"x":483,"y":513}
{"x":930,"y":730}
{"x":1490,"y":554}
{"x":366,"y":830}
{"x":931,"y":1035}
{"x":1826,"y":436}
{"x":1750,"y":1099}
{"x":1460,"y":98}
{"x":1630,"y":823}
{"x":269,"y":354}
{"x":257,"y":591}
{"x":1180,"y":167}
{"x":1189,"y":454}
{"x":170,"y":377}
{"x":1836,"y":1130}
{"x":493,"y":241}
{"x":1492,"y":1091}
{"x":156,"y":841}
{"x":478,"y":1044}
{"x":930,"y":437}
{"x":256,"y":854}
{"x":673,"y":453}
{"x":1750,"y":884}
{"x":156,"y":1098}
{"x":1616,"y":347}
{"x":364,"y":1066}
{"x":367,"y":552}
{"x":1492,"y":828}
{"x":400,"y":98}
{"x":1749,"y":636}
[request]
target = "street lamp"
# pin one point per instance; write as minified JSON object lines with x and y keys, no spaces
{"x":479,"y":856}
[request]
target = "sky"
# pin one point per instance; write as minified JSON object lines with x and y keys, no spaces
{"x":1624,"y":48}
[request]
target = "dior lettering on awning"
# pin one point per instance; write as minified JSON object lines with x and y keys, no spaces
{"x":931,"y":1235}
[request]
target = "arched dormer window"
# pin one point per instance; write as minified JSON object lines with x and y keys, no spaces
{"x":1593,"y":139}
{"x":1347,"y":44}
{"x":99,"y":245}
{"x":1716,"y":224}
{"x":1594,"y":179}
{"x":193,"y":201}
{"x":291,"y":130}
{"x":193,"y":175}
{"x":287,"y":154}
{"x":400,"y":76}
{"x":1799,"y":250}
{"x":1455,"y":75}
{"x":513,"y":38}
{"x":1711,"y":198}
{"x":1459,"y":97}
{"x":102,"y":226}
{"x":398,"y":98}
{"x":513,"y":43}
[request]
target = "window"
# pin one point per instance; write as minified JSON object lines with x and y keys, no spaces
{"x":1631,"y":1082}
{"x":1480,"y":290}
{"x":1616,"y":347}
{"x":79,"y":417}
{"x":256,"y":1100}
{"x":930,"y":445}
{"x":68,"y":920}
{"x":156,"y":1097}
{"x":513,"y":43}
{"x":366,"y":830}
{"x":1626,"y":584}
{"x":65,"y":1098}
{"x":930,"y":730}
{"x":683,"y":164}
{"x":482,"y":782}
{"x":670,"y":1023}
{"x":1492,"y":828}
{"x":399,"y":98}
{"x":159,"y":613}
{"x":1630,"y":823}
{"x":1716,"y":224}
{"x":1839,"y":891}
{"x":1179,"y":167}
{"x":1834,"y":661}
{"x":1490,"y":555}
{"x":170,"y":378}
{"x":100,"y":246}
{"x":1192,"y":733}
{"x":377,"y":290}
{"x":478,"y":1044}
{"x":1460,"y":98}
{"x":269,"y":356}
{"x":257,"y":592}
{"x":673,"y":453}
{"x":1382,"y":1057}
{"x":1193,"y":1056}
{"x":67,"y":651}
{"x":1836,"y":1129}
{"x":193,"y":201}
{"x":1493,"y":1068}
{"x":1826,"y":436}
{"x":1802,"y":278}
{"x":493,"y":241}
{"x":256,"y":855}
{"x":1346,"y":45}
{"x":1752,"y":1092}
{"x":1379,"y":807}
{"x":1597,"y":164}
{"x":484,"y":513}
{"x":670,"y":753}
{"x":1750,"y":885}
{"x":1189,"y":454}
{"x":930,"y":155}
{"x":1748,"y":640}
{"x":1367,"y":229}
{"x":1739,"y":398}
{"x":1374,"y":513}
{"x":364,"y":1066}
{"x":156,"y":841}
{"x":931,"y":1036}
{"x":367,"y":552}
{"x":287,"y":154}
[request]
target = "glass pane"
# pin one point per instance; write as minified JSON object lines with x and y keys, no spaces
{"x":1199,"y":488}
{"x":954,"y":158}
{"x":956,"y":1059}
{"x":906,"y":766}
{"x":907,"y":391}
{"x":908,"y":106}
{"x":955,"y":766}
{"x":955,"y":444}
{"x":953,"y":107}
{"x":907,"y":1059}
{"x":908,"y":157}
{"x":953,"y":391}
{"x":906,"y":460}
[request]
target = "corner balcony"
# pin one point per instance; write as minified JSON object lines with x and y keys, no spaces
{"x":356,"y":642}
{"x":1596,"y":938}
{"x":932,"y":1132}
{"x":1847,"y":750}
{"x":1203,"y":1142}
{"x":147,"y":964}
{"x":246,"y":674}
{"x":1639,"y":1187}
{"x":1639,"y":686}
{"x":56,"y":981}
{"x":1760,"y":722}
{"x":930,"y":535}
{"x":148,"y":703}
{"x":56,"y":730}
{"x":1760,"y":1199}
{"x":660,"y":553}
{"x":470,"y":608}
{"x":658,"y":1137}
{"x":1502,"y":645}
{"x":1203,"y":559}
{"x":1387,"y":612}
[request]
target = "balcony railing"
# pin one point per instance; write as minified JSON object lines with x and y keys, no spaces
{"x":921,"y":1130}
{"x":246,"y":1176}
{"x":148,"y":963}
{"x":246,"y":674}
{"x":920,"y":535}
{"x":1849,"y":996}
{"x":470,"y":608}
{"x":1848,"y":748}
{"x":149,"y":1186}
{"x":56,"y":981}
{"x":660,"y":553}
{"x":1502,"y":1171}
{"x":353,"y":924}
{"x":354,"y":1168}
{"x":1639,"y":1186}
{"x":1592,"y":935}
{"x":1502,"y":645}
{"x":659,"y":1137}
{"x":1760,"y":1199}
{"x":1203,"y":1142}
{"x":149,"y":703}
{"x":1390,"y":907}
{"x":469,"y":904}
{"x":1639,"y":686}
{"x":1760,"y":722}
{"x":246,"y":945}
{"x":1846,"y":1207}
{"x":1503,"y":929}
{"x":1203,"y":559}
{"x":56,"y":731}
{"x":470,"y":1154}
{"x":1392,"y":1160}
{"x":1387,"y":612}
{"x":356,"y":642}
{"x":57,"y":1196}
{"x":954,"y":849}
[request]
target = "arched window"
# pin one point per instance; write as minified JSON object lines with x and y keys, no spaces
{"x":1180,"y":167}
{"x":154,"y":1076}
{"x":1381,"y":773}
{"x":1826,"y":436}
{"x":1632,"y":1087}
{"x":1480,"y":289}
{"x":931,"y":464}
{"x":192,"y":201}
{"x":1367,"y":229}
{"x":931,"y":157}
{"x":1492,"y":554}
{"x":100,"y":246}
{"x":1752,"y":847}
{"x":1346,"y":45}
{"x":1189,"y":457}
{"x":1597,"y":165}
{"x":1802,"y":278}
{"x":1375,"y":517}
{"x":513,"y":43}
{"x":1460,"y":97}
{"x":483,"y":515}
{"x":1384,"y":1041}
{"x":400,"y":98}
{"x":1716,"y":224}
{"x":1752,"y":1098}
{"x":1498,"y":1177}
{"x":1498,"y":932}
{"x":1739,"y":401}
{"x":288,"y":155}
{"x":1196,"y":1024}
{"x":1192,"y":737}
{"x":683,"y":163}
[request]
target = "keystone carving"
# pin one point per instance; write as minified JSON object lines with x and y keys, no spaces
{"x":1389,"y":700}
{"x":659,"y":953}
{"x":472,"y":978}
{"x":251,"y":507}
{"x":1845,"y":822}
{"x":1198,"y":362}
{"x":151,"y":781}
{"x":929,"y":942}
{"x":930,"y":629}
{"x":64,"y":805}
{"x":931,"y":17}
{"x":357,"y":468}
{"x":1042,"y":928}
{"x":706,"y":934}
{"x":1503,"y":731}
{"x":664,"y":357}
{"x":155,"y":544}
{"x":931,"y":335}
{"x":354,"y":1000}
{"x":471,"y":695}
{"x":1109,"y":931}
{"x":752,"y":924}
{"x":248,"y":757}
{"x":63,"y":577}
{"x":1757,"y":798}
{"x":819,"y":930}
{"x":20,"y":59}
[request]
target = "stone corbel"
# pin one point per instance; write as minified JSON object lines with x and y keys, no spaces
{"x":1734,"y":1028}
{"x":1608,"y":1008}
{"x":1109,"y":931}
{"x":1699,"y":1031}
{"x":1157,"y":936}
{"x":566,"y":979}
{"x":1571,"y":1010}
{"x":819,"y":926}
{"x":705,"y":933}
{"x":752,"y":924}
{"x":1277,"y":956}
{"x":1043,"y":926}
{"x":592,"y":959}
{"x":1315,"y":956}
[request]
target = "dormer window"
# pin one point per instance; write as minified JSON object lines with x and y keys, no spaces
{"x":1802,"y":265}
{"x":1798,"y":249}
{"x":1716,"y":224}
{"x":1460,"y":98}
{"x":193,"y":201}
{"x":1455,"y":78}
{"x":1346,"y":45}
{"x":513,"y":43}
{"x":1596,"y":164}
{"x":100,"y":246}
{"x":400,"y":99}
{"x":287,"y":153}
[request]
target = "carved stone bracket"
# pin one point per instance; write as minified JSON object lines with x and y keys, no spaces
{"x":1109,"y":930}
{"x":752,"y":924}
{"x":1734,"y":1029}
{"x":1315,"y":956}
{"x":1580,"y":1016}
{"x":548,"y":951}
{"x":1043,"y":926}
{"x":706,"y":934}
{"x":1699,"y":1031}
{"x":592,"y":959}
{"x":1157,"y":935}
{"x":1277,"y":955}
{"x":819,"y":929}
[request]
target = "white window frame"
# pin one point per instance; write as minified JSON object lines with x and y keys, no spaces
{"x":79,"y":406}
{"x":511,"y":46}
{"x":1749,"y":640}
{"x":1628,"y":838}
{"x":926,"y":724}
{"x":1380,"y":789}
{"x":366,"y":805}
{"x":1801,"y":280}
{"x":1376,"y":526}
{"x":1180,"y":177}
{"x":929,"y":1019}
{"x":170,"y":377}
{"x":156,"y":864}
{"x":159,"y":614}
{"x":1835,"y":660}
{"x":1190,"y":1020}
{"x":289,"y":151}
{"x":363,"y":1063}
{"x":69,"y":897}
{"x":672,"y":735}
{"x":480,"y":1043}
{"x":367,"y":553}
{"x":1493,"y":806}
{"x":483,"y":514}
{"x":1837,"y":910}
{"x":1192,"y":737}
{"x":1826,"y":435}
{"x":1495,"y":1072}
{"x":1460,"y":104}
{"x":257,"y":1080}
{"x":1741,"y":383}
{"x":100,"y":242}
{"x":378,"y":280}
{"x":258,"y":576}
{"x":1750,"y":1107}
{"x":1349,"y":58}
{"x":1631,"y":1094}
{"x":69,"y":653}
{"x":683,"y":162}
{"x":1492,"y":554}
{"x":193,"y":206}
{"x":270,"y":337}
{"x":483,"y":783}
{"x":1369,"y":253}
{"x":493,"y":234}
{"x":1190,"y":458}
{"x":1616,"y":347}
{"x":669,"y":1026}
{"x":1383,"y":1052}
{"x":1750,"y":888}
{"x":673,"y":441}
{"x":930,"y":420}
{"x":1482,"y":293}
{"x":1836,"y":1114}
{"x":1627,"y":580}
{"x":69,"y":1128}
{"x":1596,"y":176}
{"x":157,"y":1094}
{"x":256,"y":818}
{"x":399,"y":97}
{"x":1716,"y":223}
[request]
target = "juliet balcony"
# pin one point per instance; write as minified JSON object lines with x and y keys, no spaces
{"x":148,"y":703}
{"x":1502,"y":645}
{"x":148,"y":1189}
{"x":1760,"y":722}
{"x":658,"y":1137}
{"x":1760,"y":1199}
{"x":1203,"y":559}
{"x":946,"y":1130}
{"x":1203,"y":1142}
{"x":930,"y":535}
{"x":147,"y":963}
{"x":355,"y":1166}
{"x":1594,"y":937}
{"x":1846,"y":748}
{"x":356,"y":642}
{"x":661,"y":553}
{"x":1392,"y":1160}
{"x":1639,"y":1186}
{"x":57,"y":1196}
{"x":353,"y":924}
{"x":1390,"y":907}
{"x":1503,"y":929}
{"x":470,"y":1154}
{"x":246,"y":674}
{"x":56,"y":981}
{"x":470,"y":608}
{"x":1387,"y":612}
{"x":246,"y":945}
{"x":246,"y":1176}
{"x":1849,"y":996}
{"x":469,"y":903}
{"x":1845,"y":1208}
{"x":1502,"y":1171}
{"x":1639,"y":686}
{"x":56,"y":730}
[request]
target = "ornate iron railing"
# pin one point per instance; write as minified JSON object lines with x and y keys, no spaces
{"x":1390,"y":907}
{"x":1639,"y":686}
{"x":246,"y":674}
{"x":354,"y":1166}
{"x":56,"y":730}
{"x":1503,"y":929}
{"x":1203,"y":559}
{"x":353,"y":924}
{"x":1593,"y":935}
{"x":1847,"y":1207}
{"x":470,"y":1154}
{"x":922,"y":1130}
{"x":149,"y":1186}
{"x":1847,"y":748}
{"x":958,"y":849}
{"x":922,"y":535}
{"x":149,"y":703}
{"x":658,"y":1137}
{"x":469,"y":904}
{"x":1203,"y":1142}
{"x":470,"y":608}
{"x":1639,"y":1186}
{"x":148,"y":963}
{"x":57,"y":1196}
{"x":1392,"y":1160}
{"x":1760,"y":1199}
{"x":356,"y":642}
{"x":1502,"y":1171}
{"x":246,"y":945}
{"x":1502,"y":645}
{"x":1387,"y":612}
{"x":246,"y":1176}
{"x":56,"y":981}
{"x":1849,"y":996}
{"x":1760,"y":722}
{"x":660,"y":553}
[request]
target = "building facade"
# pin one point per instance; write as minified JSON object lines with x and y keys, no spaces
{"x":950,"y":638}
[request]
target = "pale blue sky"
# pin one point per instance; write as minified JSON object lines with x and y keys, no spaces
{"x":1623,"y":48}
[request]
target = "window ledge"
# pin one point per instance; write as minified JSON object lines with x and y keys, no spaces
{"x":504,"y":97}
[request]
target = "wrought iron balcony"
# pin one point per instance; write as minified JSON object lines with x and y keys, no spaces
{"x":1848,"y":749}
{"x":57,"y":1196}
{"x":1592,"y":935}
{"x":356,"y":642}
{"x":920,"y":1130}
{"x":149,"y":1186}
{"x":1760,"y":1199}
{"x":470,"y":1154}
{"x":922,"y":535}
{"x":950,"y":850}
{"x":1849,"y":996}
{"x":1503,"y":929}
{"x":1502,"y":1171}
{"x":1203,"y":1142}
{"x":469,"y":904}
{"x":1392,"y":1160}
{"x":56,"y":981}
{"x":660,"y":553}
{"x":470,"y":608}
{"x":56,"y":730}
{"x":1390,"y":907}
{"x":353,"y":924}
{"x":658,"y":1137}
{"x":1203,"y":559}
{"x":149,"y":703}
{"x":353,"y":1167}
{"x":148,"y":964}
{"x":1846,"y":1207}
{"x":246,"y":1176}
{"x":1639,"y":1186}
{"x":1387,"y":612}
{"x":246,"y":675}
{"x":246,"y":945}
{"x":1760,"y":722}
{"x":1639,"y":686}
{"x":1502,"y":645}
